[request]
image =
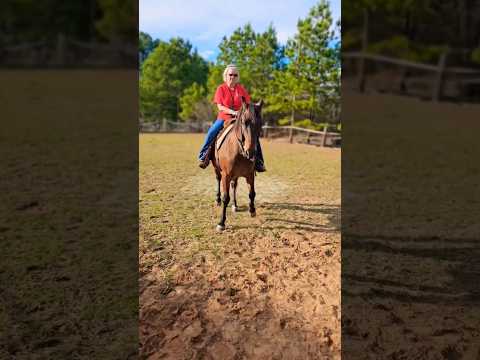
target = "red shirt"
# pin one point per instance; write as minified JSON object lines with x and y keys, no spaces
{"x":230,"y":98}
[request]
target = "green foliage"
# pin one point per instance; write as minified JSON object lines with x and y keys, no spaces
{"x":476,"y":55}
{"x":146,"y":45}
{"x":192,"y":95}
{"x":400,"y":47}
{"x":307,"y":124}
{"x":215,"y":78}
{"x":310,"y":83}
{"x":299,"y":83}
{"x":166,"y":73}
{"x":28,"y":20}
{"x":414,"y":19}
{"x":119,"y":20}
{"x":257,"y":55}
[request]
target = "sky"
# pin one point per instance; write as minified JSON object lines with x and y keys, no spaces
{"x":205,"y":22}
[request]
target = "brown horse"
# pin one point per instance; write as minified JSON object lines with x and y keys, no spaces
{"x":236,"y":158}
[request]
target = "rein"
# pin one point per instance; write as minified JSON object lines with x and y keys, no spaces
{"x":238,"y":125}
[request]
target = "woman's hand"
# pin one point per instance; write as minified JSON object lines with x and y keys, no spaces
{"x":227,"y":110}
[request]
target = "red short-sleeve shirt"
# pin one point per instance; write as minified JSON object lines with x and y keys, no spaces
{"x":230,"y":98}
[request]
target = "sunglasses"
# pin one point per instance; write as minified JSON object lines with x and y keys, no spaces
{"x":234,"y":75}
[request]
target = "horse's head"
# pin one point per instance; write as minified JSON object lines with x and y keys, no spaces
{"x":249,"y":126}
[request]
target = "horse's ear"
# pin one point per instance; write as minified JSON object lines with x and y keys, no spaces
{"x":260,"y":103}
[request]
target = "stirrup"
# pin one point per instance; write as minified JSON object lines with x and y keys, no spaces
{"x":203,"y":163}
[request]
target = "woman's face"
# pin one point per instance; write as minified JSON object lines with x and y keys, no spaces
{"x":232,"y":77}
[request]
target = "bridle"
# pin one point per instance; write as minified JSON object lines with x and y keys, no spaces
{"x":239,"y":124}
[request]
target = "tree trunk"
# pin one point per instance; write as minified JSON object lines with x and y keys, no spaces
{"x":362,"y":67}
{"x":292,"y":120}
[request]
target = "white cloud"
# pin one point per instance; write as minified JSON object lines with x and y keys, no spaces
{"x":207,"y":54}
{"x":205,"y":22}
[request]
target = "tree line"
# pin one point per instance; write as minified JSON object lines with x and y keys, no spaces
{"x":299,"y":81}
{"x":420,"y":30}
{"x":87,"y":20}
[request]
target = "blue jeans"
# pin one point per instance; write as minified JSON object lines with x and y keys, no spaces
{"x":212,"y":134}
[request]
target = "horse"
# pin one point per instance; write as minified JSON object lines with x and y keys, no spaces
{"x":234,"y":157}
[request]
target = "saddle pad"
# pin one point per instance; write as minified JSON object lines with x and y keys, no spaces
{"x":223,"y":136}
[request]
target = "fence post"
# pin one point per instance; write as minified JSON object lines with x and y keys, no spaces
{"x":437,"y":89}
{"x":60,"y":50}
{"x":164,"y":125}
{"x":362,"y":66}
{"x":324,"y":137}
{"x":403,"y":78}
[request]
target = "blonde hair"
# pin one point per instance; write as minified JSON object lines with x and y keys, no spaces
{"x":232,"y":67}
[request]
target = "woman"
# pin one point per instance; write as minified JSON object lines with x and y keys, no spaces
{"x":228,"y":98}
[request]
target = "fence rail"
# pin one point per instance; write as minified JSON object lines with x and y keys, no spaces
{"x":303,"y":136}
{"x":436,"y":82}
{"x":64,"y":52}
{"x":288,"y":133}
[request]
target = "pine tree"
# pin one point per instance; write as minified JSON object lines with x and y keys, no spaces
{"x":166,"y":73}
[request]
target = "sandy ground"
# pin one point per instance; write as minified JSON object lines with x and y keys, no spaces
{"x":410,"y":232}
{"x":268,"y":287}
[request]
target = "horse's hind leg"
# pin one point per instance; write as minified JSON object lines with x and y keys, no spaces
{"x":251,"y":195}
{"x":234,"y":188}
{"x":226,"y":199}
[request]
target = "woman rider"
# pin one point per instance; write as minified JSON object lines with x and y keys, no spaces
{"x":228,"y":98}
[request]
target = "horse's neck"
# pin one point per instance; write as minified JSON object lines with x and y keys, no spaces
{"x":232,"y":138}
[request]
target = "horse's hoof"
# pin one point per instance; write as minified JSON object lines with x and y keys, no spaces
{"x":253,"y":214}
{"x":219,"y":203}
{"x":220,"y":228}
{"x":234,"y":208}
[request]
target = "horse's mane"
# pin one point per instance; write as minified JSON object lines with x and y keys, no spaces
{"x":246,"y":112}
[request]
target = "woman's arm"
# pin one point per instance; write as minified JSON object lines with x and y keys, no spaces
{"x":226,"y":109}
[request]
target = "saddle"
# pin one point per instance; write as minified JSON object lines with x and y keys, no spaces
{"x":227,"y":126}
{"x":217,"y":143}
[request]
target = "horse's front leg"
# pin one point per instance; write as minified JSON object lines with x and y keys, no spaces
{"x":219,"y":179}
{"x":226,"y":199}
{"x":251,"y":195}
{"x":234,"y":188}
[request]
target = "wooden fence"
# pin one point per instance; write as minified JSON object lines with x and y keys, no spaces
{"x":174,"y":127}
{"x":288,"y":133}
{"x":303,"y":136}
{"x":66,"y":52}
{"x":436,"y":82}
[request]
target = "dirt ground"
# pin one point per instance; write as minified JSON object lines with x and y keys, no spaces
{"x":68,"y":219}
{"x":410,"y":230}
{"x":266,"y":288}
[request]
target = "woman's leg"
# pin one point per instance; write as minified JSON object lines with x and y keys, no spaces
{"x":211,"y":134}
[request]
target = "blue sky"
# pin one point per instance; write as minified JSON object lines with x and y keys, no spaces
{"x":205,"y":22}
